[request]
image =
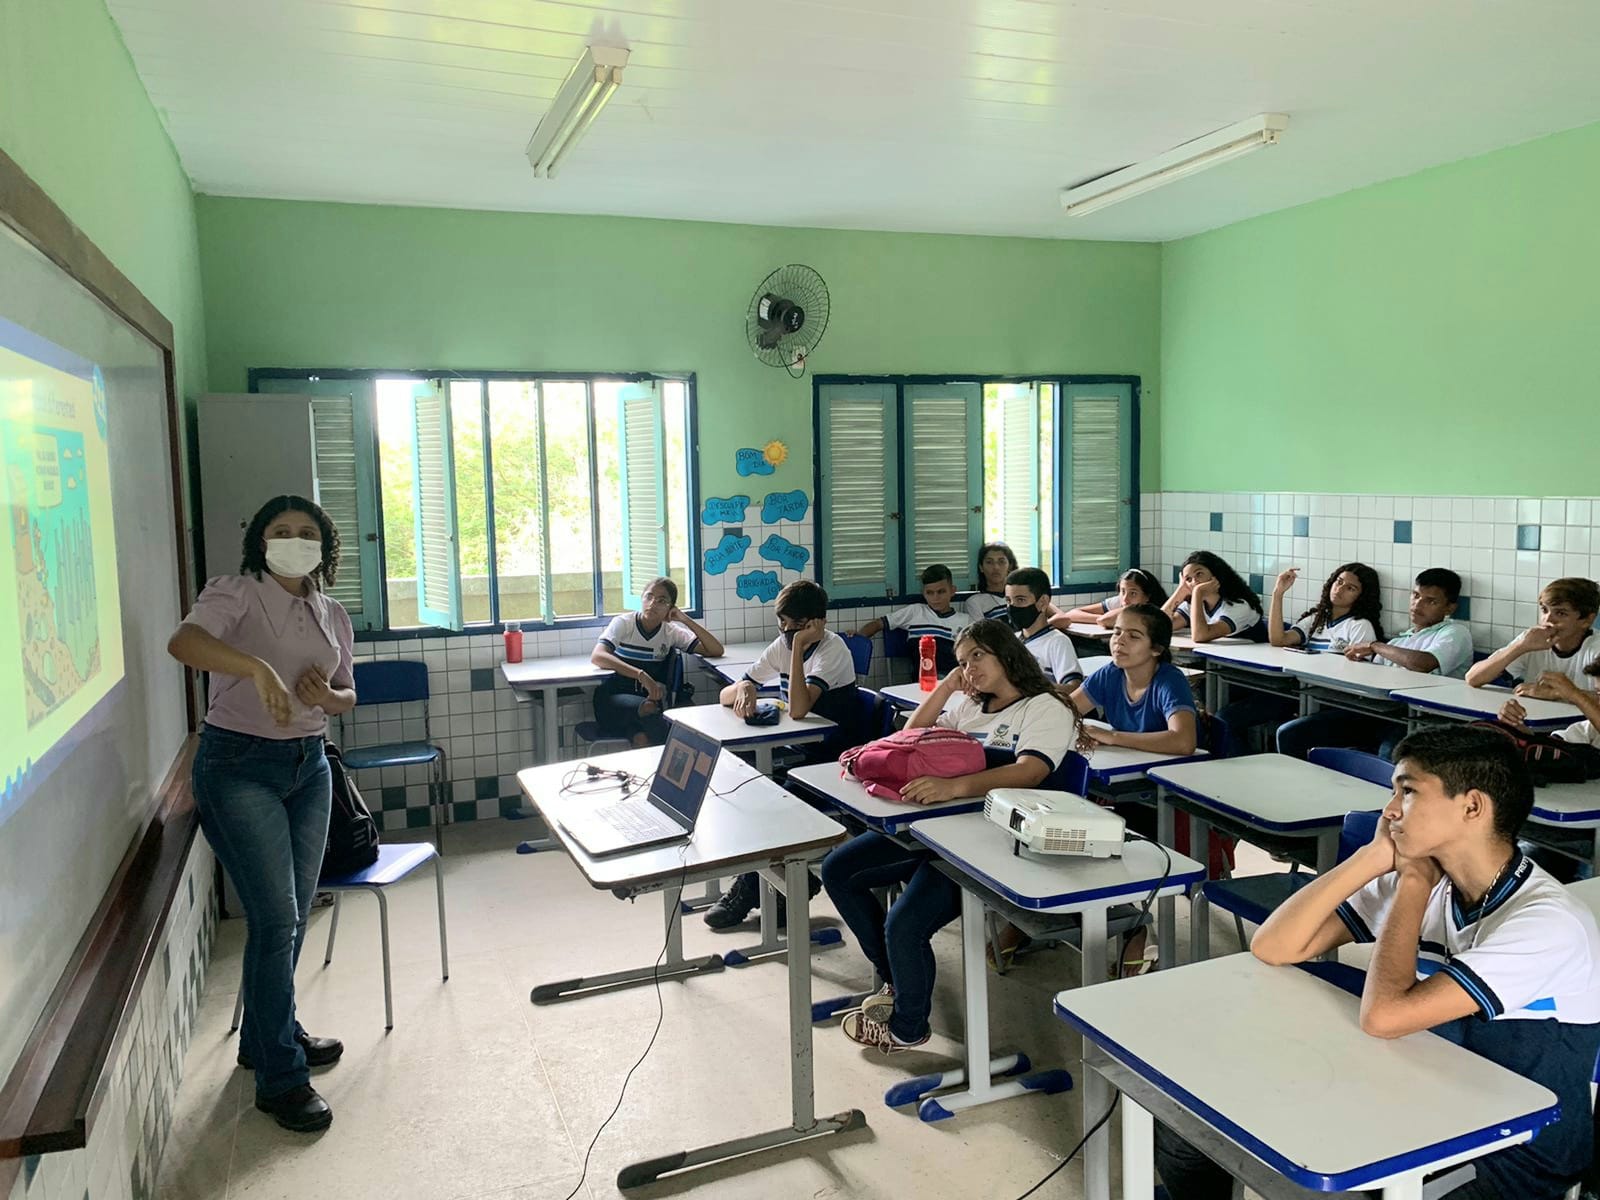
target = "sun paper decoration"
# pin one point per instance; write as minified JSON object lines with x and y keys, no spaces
{"x":775,"y":453}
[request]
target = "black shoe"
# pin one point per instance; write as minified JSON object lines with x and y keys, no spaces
{"x":734,"y":905}
{"x":299,"y":1109}
{"x":813,"y":884}
{"x":320,"y":1052}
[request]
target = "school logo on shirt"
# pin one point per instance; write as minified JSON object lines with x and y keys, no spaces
{"x":1001,"y":733}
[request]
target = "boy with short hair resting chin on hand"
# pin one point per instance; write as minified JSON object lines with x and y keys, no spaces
{"x":1474,"y":942}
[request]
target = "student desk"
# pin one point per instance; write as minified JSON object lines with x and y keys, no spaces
{"x":731,"y":670}
{"x":746,"y":652}
{"x":1253,"y":666}
{"x":545,"y":677}
{"x":1330,"y":680}
{"x":1453,"y":700}
{"x":907,"y":697}
{"x":1184,"y":646}
{"x":760,"y":827}
{"x":1260,"y":793}
{"x":718,"y":721}
{"x":1089,"y":630}
{"x":1566,"y":806}
{"x":981,"y":855}
{"x":1587,"y":892}
{"x":1110,"y":765}
{"x":1093,"y":663}
{"x":1307,"y":1097}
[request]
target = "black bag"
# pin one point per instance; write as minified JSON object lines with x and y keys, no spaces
{"x":1549,"y":759}
{"x":352,"y":833}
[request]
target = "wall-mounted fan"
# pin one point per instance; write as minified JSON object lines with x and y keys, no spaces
{"x":787,"y":317}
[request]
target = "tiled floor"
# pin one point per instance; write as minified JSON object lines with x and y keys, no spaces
{"x":476,"y":1093}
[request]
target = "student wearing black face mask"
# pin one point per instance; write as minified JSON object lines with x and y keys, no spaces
{"x":1028,"y":612}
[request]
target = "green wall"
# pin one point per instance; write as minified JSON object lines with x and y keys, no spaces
{"x":327,"y":285}
{"x":75,"y":116}
{"x":1433,"y":334}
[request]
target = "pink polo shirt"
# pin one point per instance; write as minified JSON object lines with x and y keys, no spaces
{"x":291,"y":633}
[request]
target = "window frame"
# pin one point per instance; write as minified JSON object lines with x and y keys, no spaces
{"x":1059,"y":517}
{"x":367,"y":445}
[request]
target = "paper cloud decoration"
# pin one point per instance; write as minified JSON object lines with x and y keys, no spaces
{"x":729,"y":511}
{"x":784,"y":506}
{"x":751,"y":461}
{"x":758,"y":585}
{"x":785,"y":553}
{"x":728,"y":551}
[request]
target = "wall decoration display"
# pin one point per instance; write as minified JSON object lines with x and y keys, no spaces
{"x":775,"y":452}
{"x":785,"y":553}
{"x":758,"y":585}
{"x":751,"y":461}
{"x":784,"y":506}
{"x":724,"y":511}
{"x":725,"y":553}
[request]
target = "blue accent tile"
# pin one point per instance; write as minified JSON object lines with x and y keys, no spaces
{"x":1302,"y":527}
{"x":393,"y":798}
{"x":1256,"y":583}
{"x":1463,"y":609}
{"x":1528,"y":537}
{"x":1216,"y":522}
{"x":1402,"y":533}
{"x":486,"y":787}
{"x":482,"y":679}
{"x":1177,"y":574}
{"x":465,"y":810}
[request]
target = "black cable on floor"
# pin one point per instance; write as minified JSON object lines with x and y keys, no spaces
{"x":1071,"y":1154}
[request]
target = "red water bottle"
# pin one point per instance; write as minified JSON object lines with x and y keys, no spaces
{"x":927,"y":672}
{"x":513,"y":641}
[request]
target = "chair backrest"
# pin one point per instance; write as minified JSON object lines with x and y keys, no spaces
{"x":675,"y":674}
{"x":391,"y":681}
{"x":1071,"y":776}
{"x":1358,"y":763}
{"x":896,"y":643}
{"x":869,"y":713}
{"x":860,"y":651}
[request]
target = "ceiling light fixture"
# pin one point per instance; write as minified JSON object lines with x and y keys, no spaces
{"x":1182,"y":161}
{"x":590,"y":83}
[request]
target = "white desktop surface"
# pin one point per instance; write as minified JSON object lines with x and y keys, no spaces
{"x":907,"y":696}
{"x":1575,"y":804}
{"x":1088,"y":629}
{"x":731,"y":670}
{"x":1372,"y":679}
{"x":1114,"y":762}
{"x":886,"y":816}
{"x":1061,"y":883}
{"x":542,"y":672}
{"x":757,"y":820}
{"x":1455,"y":698}
{"x":1252,"y":656}
{"x":1092,"y":663}
{"x":1187,"y":644}
{"x":737,"y":652}
{"x":718,"y":721}
{"x":1294,"y":1048}
{"x":1273,"y":791}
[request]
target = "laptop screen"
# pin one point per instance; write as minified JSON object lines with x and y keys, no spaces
{"x":684,"y":773}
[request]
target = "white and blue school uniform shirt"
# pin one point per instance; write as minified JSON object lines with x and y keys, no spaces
{"x":1535,"y":663}
{"x":829,"y":666}
{"x":1238,"y":615}
{"x":986,"y":606}
{"x":1449,"y":641}
{"x":1529,"y":957}
{"x":1338,"y":636}
{"x":1039,"y":727}
{"x":1168,"y":693}
{"x":627,"y":638}
{"x":1054,"y":652}
{"x":921,"y":619}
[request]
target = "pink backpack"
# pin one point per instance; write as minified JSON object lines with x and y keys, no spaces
{"x":888,"y":764}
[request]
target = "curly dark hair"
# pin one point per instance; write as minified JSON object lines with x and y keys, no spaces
{"x":1368,"y":605}
{"x":1230,"y":587}
{"x":1021,"y":668}
{"x":253,"y":560}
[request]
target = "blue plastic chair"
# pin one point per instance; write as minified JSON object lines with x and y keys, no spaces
{"x":860,"y":651}
{"x":896,"y":643}
{"x":1254,"y":897}
{"x":400,"y":681}
{"x":394,"y":864}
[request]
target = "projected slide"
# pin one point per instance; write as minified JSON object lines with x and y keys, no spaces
{"x":58,"y":584}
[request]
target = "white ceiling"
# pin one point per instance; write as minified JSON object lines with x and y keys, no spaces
{"x":961,"y":116}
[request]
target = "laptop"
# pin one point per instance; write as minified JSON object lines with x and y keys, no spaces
{"x":666,"y":814}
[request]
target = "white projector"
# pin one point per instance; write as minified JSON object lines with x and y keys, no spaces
{"x":1055,"y":822}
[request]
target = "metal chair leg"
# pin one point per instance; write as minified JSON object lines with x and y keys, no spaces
{"x":383,"y":929}
{"x":444,"y":945}
{"x":333,"y":928}
{"x":438,"y":802}
{"x":238,"y":1009}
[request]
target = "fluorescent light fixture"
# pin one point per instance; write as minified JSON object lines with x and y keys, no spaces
{"x":584,"y":92}
{"x":1184,"y":160}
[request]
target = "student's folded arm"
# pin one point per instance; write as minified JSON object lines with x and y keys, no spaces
{"x":608,"y":661}
{"x":871,"y":628}
{"x":1177,"y":738}
{"x":1411,"y":660}
{"x":1082,"y":701}
{"x":1481,"y":674}
{"x":1276,"y":633}
{"x":1028,"y":771}
{"x":1393,"y":1002}
{"x":706,"y":642}
{"x":1081,"y":615}
{"x":1203,"y":630}
{"x":1308,"y":922}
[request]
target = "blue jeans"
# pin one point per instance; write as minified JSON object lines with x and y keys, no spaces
{"x":263,"y":805}
{"x":899,"y":944}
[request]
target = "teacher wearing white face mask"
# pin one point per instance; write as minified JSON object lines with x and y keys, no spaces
{"x":278,"y":651}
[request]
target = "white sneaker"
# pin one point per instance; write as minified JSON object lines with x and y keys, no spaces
{"x":880,"y":1005}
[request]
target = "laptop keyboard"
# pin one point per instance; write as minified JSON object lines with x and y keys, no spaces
{"x":635,"y":818}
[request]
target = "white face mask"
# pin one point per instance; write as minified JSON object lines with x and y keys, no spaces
{"x":293,"y":556}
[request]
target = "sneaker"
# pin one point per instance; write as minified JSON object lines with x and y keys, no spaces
{"x":734,"y":905}
{"x":299,"y":1110}
{"x":880,"y":1005}
{"x":864,"y":1031}
{"x":813,"y":884}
